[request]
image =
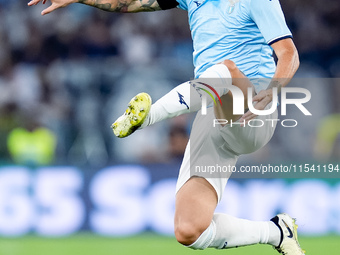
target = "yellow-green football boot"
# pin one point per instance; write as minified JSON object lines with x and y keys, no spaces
{"x":134,"y":116}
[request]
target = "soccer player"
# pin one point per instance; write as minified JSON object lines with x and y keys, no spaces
{"x":230,"y":37}
{"x":197,"y":194}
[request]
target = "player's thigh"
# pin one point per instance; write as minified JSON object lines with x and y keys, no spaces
{"x":249,"y":138}
{"x":195,"y":205}
{"x":239,"y":80}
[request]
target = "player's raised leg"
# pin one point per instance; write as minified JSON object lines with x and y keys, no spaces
{"x":222,"y":81}
{"x":184,"y":98}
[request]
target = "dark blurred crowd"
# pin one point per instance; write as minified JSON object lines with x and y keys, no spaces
{"x":73,"y":71}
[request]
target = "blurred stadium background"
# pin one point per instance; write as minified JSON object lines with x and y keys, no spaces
{"x":68,"y":186}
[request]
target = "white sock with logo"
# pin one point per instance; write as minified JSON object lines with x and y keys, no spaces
{"x":226,"y":231}
{"x":186,"y":98}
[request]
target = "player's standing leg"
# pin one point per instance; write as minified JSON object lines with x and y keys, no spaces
{"x":197,"y":227}
{"x":196,"y":224}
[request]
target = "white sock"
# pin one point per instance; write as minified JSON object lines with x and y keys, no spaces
{"x":185,"y":98}
{"x":226,"y":231}
{"x":234,"y":232}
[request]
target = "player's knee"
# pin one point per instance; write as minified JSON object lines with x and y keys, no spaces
{"x":187,"y":233}
{"x":230,"y":64}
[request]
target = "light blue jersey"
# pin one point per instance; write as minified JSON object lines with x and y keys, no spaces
{"x":239,"y":30}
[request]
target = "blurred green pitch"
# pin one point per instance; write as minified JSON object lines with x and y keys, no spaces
{"x":147,"y":244}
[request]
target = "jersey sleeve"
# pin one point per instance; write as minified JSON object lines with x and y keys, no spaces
{"x":269,"y":18}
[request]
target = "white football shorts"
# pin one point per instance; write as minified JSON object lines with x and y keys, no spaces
{"x":220,"y":146}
